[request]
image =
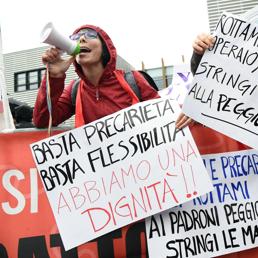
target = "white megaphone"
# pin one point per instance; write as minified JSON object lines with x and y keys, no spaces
{"x":51,"y":36}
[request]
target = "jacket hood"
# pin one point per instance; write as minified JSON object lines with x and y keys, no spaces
{"x":111,"y":65}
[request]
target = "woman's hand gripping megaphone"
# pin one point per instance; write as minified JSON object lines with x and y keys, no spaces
{"x":57,"y":66}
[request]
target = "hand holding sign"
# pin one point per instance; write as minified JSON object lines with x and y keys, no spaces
{"x":202,"y":43}
{"x":224,"y":90}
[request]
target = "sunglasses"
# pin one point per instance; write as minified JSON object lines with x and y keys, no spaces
{"x":87,"y":33}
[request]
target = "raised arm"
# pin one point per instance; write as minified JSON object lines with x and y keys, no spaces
{"x":60,"y":96}
{"x":200,"y":44}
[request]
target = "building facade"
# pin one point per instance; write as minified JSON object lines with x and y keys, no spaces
{"x":216,"y":7}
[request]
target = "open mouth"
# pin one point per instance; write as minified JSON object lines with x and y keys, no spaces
{"x":84,"y":50}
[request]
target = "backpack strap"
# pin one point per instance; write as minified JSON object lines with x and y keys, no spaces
{"x":74,"y":91}
{"x":149,"y":79}
{"x":129,"y":77}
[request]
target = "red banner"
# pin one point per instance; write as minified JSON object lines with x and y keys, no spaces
{"x":28,"y":228}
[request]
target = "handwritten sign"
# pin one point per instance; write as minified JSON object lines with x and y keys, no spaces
{"x":220,"y":222}
{"x":119,"y":169}
{"x":224,"y":90}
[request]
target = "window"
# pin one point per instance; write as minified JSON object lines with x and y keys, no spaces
{"x":29,"y":80}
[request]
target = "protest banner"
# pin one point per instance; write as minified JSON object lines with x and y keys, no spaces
{"x":118,"y":170}
{"x":28,"y":228}
{"x":224,"y":90}
{"x":180,"y":85}
{"x":220,"y":222}
{"x":6,"y":120}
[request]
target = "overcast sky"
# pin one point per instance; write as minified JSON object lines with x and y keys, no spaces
{"x":142,"y":30}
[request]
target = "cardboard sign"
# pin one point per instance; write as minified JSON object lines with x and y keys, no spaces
{"x":220,"y":222}
{"x":118,"y":170}
{"x":224,"y":90}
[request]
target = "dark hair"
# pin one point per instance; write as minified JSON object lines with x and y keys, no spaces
{"x":23,"y":113}
{"x":105,"y":57}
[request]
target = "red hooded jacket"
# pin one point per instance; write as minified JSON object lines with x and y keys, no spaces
{"x":112,"y":96}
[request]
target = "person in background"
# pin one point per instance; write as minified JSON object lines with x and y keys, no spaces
{"x":21,"y":113}
{"x":23,"y":117}
{"x":102,"y":89}
{"x":200,"y":44}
